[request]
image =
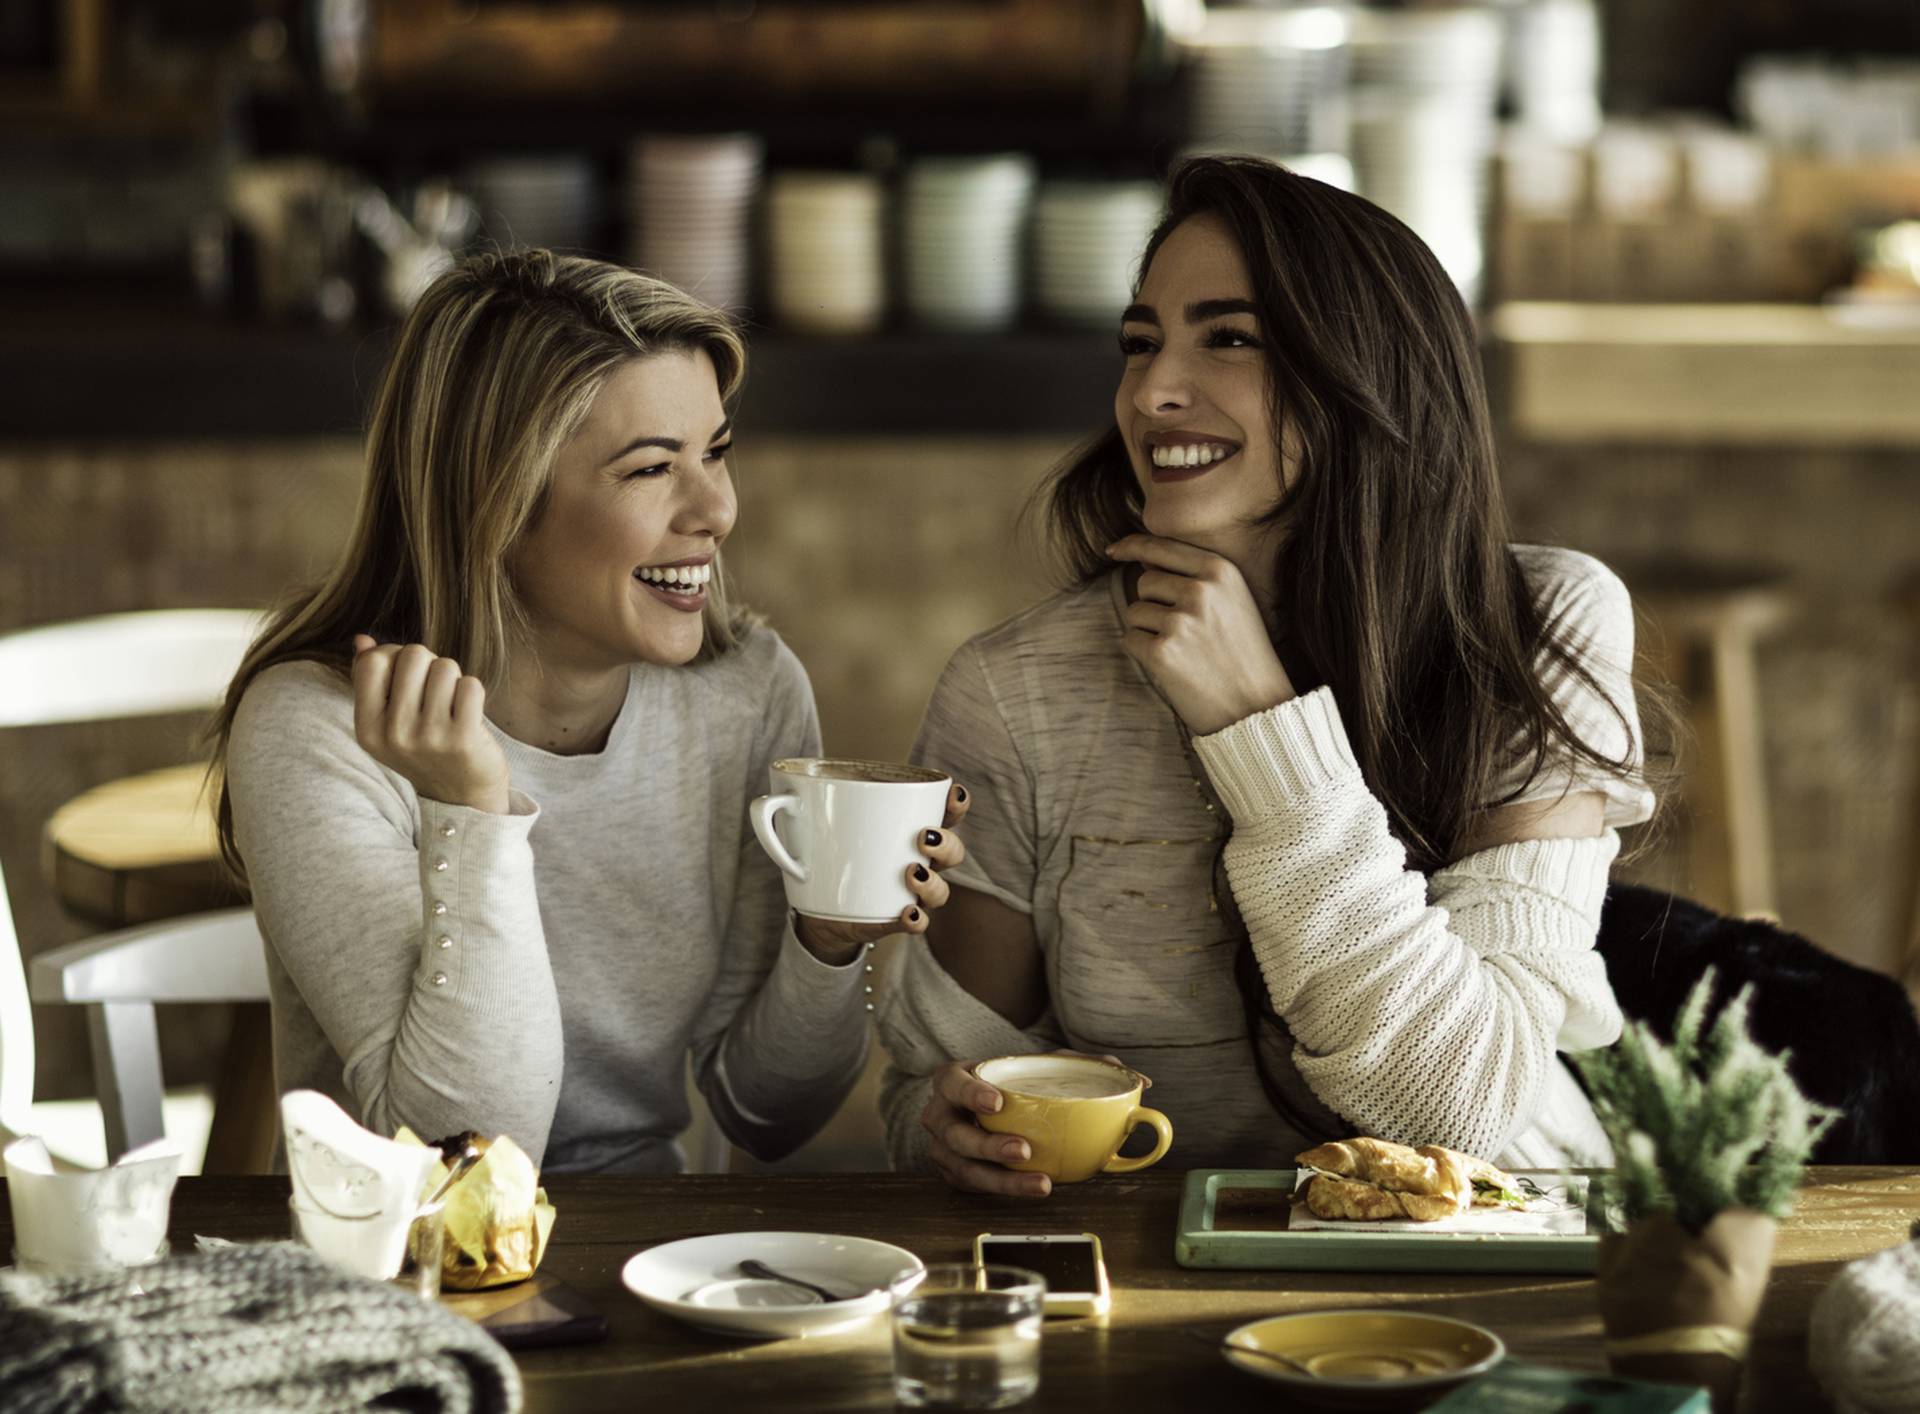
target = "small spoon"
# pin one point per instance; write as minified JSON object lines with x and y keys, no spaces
{"x":755,"y":1268}
{"x":1287,"y":1360}
{"x":459,"y":1171}
{"x":1225,"y":1343}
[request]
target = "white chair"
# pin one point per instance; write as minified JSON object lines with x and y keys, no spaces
{"x":121,"y":665}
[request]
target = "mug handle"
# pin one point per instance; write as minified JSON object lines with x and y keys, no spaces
{"x":1162,"y":1126}
{"x":761,"y":812}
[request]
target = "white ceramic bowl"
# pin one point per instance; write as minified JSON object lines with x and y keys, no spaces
{"x":669,"y":1277}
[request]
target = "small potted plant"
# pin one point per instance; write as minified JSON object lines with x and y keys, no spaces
{"x":1710,"y":1136}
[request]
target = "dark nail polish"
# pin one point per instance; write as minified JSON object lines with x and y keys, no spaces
{"x":920,"y":873}
{"x":933,"y":839}
{"x":960,"y":795}
{"x":913,"y":915}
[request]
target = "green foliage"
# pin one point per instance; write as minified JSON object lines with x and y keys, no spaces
{"x":1708,"y":1123}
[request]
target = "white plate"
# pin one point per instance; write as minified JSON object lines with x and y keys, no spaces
{"x":668,"y":1276}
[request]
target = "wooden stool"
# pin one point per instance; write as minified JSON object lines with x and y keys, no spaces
{"x":141,"y":850}
{"x":1706,"y":623}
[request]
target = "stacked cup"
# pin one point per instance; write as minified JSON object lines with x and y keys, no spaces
{"x":546,"y":201}
{"x":1272,"y":82}
{"x":825,"y":253}
{"x":1553,"y":66}
{"x":1087,"y":241}
{"x":962,"y":230}
{"x":689,"y":200}
{"x":1426,"y":82}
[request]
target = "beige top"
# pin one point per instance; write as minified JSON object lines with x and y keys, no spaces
{"x":1423,"y":1010}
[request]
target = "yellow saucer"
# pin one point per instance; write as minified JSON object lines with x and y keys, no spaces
{"x":1383,"y":1360}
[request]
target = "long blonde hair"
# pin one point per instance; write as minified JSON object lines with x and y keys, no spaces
{"x":495,"y":368}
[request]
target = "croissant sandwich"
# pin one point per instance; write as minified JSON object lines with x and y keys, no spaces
{"x":1373,"y":1180}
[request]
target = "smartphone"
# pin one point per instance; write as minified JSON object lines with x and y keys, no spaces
{"x":1076,"y":1273}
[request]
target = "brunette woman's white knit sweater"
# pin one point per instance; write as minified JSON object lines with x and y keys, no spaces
{"x":1462,"y":1000}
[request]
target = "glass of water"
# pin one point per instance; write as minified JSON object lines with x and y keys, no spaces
{"x":966,"y":1337}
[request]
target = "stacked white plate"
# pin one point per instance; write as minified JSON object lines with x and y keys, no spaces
{"x":1087,"y":241}
{"x":689,"y":203}
{"x":1553,"y":68}
{"x":536,"y":200}
{"x":1425,"y":87}
{"x":1270,"y":81}
{"x":825,"y":252}
{"x":963,"y":229}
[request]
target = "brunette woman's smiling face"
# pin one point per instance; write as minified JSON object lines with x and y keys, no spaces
{"x":1194,"y":405}
{"x":614,"y":569}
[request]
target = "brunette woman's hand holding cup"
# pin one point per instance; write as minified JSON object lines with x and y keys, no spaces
{"x":972,"y":1157}
{"x":1196,"y":629}
{"x":416,"y":713}
{"x":967,"y":1156}
{"x":838,"y":943}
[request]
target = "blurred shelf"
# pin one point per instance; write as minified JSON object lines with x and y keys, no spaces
{"x":1675,"y":375}
{"x":107,"y":373}
{"x":403,"y":140}
{"x":1696,"y":374}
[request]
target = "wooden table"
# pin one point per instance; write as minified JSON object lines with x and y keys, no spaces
{"x":1142,"y":1358}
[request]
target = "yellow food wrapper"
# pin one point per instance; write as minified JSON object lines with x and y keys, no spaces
{"x":497,"y":1217}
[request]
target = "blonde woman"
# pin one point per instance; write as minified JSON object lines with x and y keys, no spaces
{"x":489,"y":781}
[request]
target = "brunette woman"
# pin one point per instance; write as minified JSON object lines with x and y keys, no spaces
{"x":1303,"y":799}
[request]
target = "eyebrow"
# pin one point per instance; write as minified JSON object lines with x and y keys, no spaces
{"x":1197,"y":313}
{"x":671,"y":444}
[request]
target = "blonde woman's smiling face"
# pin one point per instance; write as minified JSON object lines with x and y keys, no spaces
{"x":615,"y":568}
{"x":1194,"y":405}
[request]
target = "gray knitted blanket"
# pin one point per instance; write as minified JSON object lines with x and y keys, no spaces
{"x":256,"y":1328}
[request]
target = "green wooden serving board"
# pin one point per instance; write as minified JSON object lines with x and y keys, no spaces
{"x":1203,"y":1240}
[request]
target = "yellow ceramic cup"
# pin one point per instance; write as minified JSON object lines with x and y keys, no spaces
{"x":1074,"y":1111}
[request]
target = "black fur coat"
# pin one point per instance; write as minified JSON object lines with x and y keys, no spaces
{"x":1853,"y":1035}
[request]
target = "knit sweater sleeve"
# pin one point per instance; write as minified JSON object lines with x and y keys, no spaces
{"x":783,"y":1035}
{"x":1424,"y":1021}
{"x":415,"y":940}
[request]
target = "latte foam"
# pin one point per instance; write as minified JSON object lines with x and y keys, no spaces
{"x":1064,"y":1084}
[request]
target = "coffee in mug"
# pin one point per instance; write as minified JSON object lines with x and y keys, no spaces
{"x":1074,"y":1112}
{"x":844,"y":833}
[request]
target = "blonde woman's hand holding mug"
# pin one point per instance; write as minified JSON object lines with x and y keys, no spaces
{"x":417,"y":714}
{"x":837,"y":943}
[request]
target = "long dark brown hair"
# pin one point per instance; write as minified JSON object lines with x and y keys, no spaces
{"x":1400,"y":589}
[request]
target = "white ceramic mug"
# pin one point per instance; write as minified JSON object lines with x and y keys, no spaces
{"x":850,"y":833}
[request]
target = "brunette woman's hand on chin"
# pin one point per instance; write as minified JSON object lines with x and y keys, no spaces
{"x":1197,"y":631}
{"x":840,"y":943}
{"x":416,"y":713}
